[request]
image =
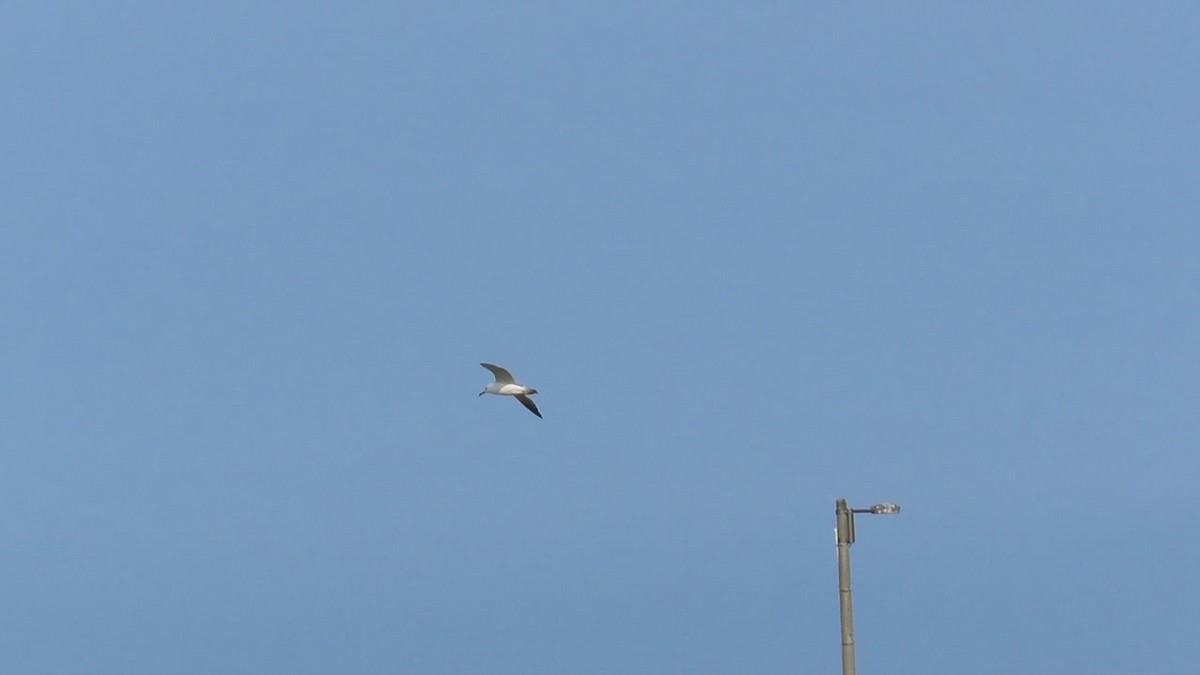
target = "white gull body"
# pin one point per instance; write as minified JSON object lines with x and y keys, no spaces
{"x":505,"y":385}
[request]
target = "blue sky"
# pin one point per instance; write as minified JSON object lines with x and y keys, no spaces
{"x":754,"y":259}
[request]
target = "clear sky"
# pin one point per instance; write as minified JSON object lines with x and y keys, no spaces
{"x":754,"y":259}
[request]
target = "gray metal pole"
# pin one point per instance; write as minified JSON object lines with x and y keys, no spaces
{"x":845,"y":537}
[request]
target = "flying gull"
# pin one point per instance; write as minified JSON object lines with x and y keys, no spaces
{"x":506,"y":386}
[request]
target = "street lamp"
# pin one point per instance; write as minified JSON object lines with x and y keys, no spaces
{"x":845,"y":537}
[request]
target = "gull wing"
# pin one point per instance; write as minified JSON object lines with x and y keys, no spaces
{"x":502,"y":375}
{"x":528,"y":403}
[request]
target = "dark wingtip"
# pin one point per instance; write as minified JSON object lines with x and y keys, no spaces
{"x":528,"y":403}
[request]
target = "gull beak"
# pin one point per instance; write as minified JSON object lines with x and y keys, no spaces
{"x":483,"y":392}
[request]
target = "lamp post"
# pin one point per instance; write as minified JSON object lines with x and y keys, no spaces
{"x":845,"y":537}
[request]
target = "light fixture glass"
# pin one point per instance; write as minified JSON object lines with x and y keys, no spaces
{"x":886,"y":509}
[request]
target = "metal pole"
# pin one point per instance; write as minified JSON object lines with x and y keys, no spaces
{"x":845,"y":537}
